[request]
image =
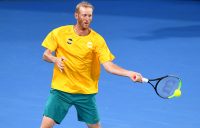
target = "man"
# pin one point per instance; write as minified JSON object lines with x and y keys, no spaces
{"x":79,"y":51}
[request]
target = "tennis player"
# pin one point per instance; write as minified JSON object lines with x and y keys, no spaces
{"x":77,"y":52}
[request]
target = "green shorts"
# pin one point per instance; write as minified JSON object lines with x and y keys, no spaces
{"x":59,"y":103}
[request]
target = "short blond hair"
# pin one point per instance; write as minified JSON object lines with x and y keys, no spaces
{"x":84,"y":4}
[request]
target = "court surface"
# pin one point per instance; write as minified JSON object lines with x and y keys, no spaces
{"x":152,"y":37}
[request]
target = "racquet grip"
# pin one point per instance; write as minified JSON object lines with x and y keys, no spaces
{"x":145,"y":80}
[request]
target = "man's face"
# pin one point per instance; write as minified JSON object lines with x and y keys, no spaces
{"x":84,"y":17}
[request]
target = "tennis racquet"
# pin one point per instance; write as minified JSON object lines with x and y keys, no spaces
{"x":166,"y":87}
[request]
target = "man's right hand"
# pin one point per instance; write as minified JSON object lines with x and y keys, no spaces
{"x":59,"y":63}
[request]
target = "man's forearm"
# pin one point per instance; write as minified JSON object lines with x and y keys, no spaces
{"x":115,"y":69}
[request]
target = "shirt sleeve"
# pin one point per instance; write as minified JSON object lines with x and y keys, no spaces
{"x":103,"y":51}
{"x":50,"y":42}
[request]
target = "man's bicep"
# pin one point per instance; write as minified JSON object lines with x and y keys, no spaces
{"x":48,"y":51}
{"x":47,"y":55}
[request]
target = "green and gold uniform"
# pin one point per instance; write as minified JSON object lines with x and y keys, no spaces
{"x":80,"y":77}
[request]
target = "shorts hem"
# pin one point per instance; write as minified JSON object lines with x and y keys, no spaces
{"x":57,"y":122}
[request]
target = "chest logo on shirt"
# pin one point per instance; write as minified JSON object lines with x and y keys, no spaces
{"x":89,"y":44}
{"x":69,"y":41}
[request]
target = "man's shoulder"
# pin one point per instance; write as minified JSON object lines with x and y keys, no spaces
{"x":96,"y":34}
{"x":63,"y":29}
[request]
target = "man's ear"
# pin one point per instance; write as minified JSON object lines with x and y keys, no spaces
{"x":76,"y":15}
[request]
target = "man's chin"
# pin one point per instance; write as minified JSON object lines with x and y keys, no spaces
{"x":86,"y":26}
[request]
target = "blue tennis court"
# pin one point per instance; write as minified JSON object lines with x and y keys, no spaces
{"x":154,"y":37}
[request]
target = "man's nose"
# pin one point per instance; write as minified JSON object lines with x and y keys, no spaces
{"x":87,"y":17}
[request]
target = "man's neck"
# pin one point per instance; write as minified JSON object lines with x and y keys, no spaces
{"x":81,"y":31}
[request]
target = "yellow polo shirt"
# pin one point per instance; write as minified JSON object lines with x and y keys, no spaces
{"x":84,"y":55}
